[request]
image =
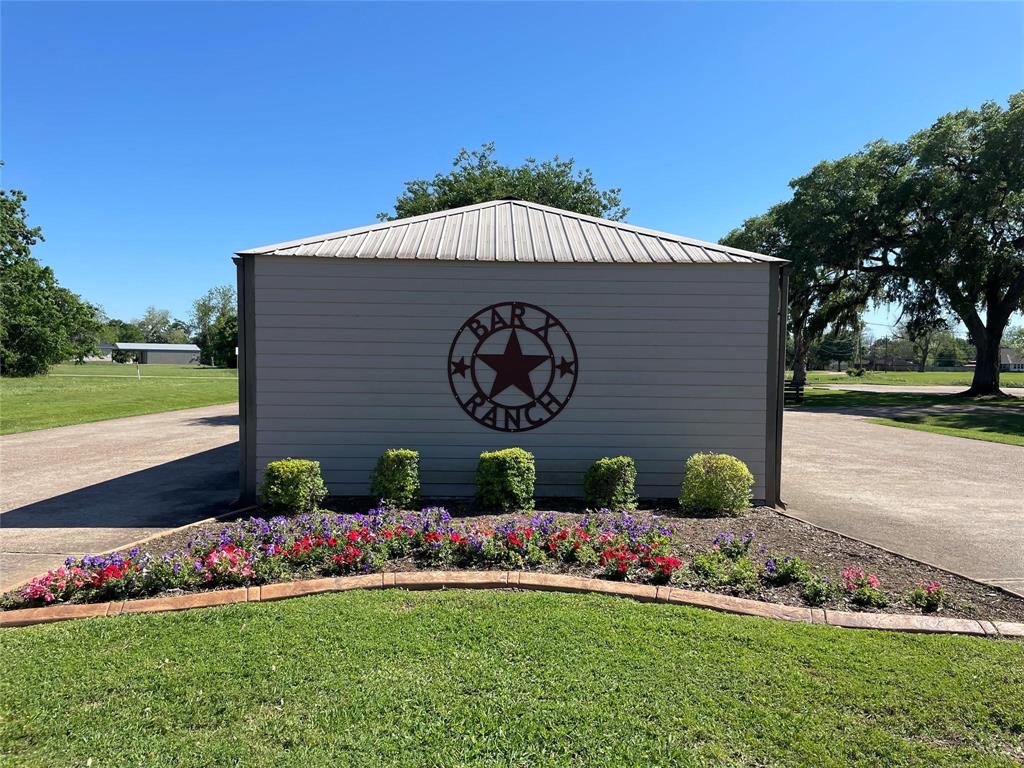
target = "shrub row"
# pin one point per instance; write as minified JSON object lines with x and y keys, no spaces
{"x":505,"y":480}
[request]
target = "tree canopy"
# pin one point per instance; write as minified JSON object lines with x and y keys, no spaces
{"x":935,"y":223}
{"x":476,"y":177}
{"x":214,"y":326}
{"x":41,"y":323}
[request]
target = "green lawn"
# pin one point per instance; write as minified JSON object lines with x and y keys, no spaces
{"x":73,"y":394}
{"x":997,"y":421}
{"x":500,"y":679}
{"x":898,"y":378}
{"x":993,"y":427}
{"x":849,"y":398}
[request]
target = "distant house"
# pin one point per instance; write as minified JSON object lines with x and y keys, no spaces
{"x":1010,"y":360}
{"x":166,"y":354}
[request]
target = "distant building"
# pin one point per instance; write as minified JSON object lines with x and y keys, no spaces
{"x":104,"y":355}
{"x":1010,"y":360}
{"x":161,"y":354}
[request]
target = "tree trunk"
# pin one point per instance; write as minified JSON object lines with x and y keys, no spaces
{"x":925,"y":347}
{"x":799,"y":360}
{"x":986,"y":365}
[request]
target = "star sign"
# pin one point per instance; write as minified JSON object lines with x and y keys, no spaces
{"x":460,"y":367}
{"x":512,"y":368}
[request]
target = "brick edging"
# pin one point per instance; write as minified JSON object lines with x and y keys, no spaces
{"x":526,"y":580}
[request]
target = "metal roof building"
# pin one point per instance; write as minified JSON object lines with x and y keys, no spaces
{"x":509,"y":323}
{"x":161,"y":354}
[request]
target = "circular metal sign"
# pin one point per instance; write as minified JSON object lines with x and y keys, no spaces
{"x":512,"y":366}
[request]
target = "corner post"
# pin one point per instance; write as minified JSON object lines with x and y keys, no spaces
{"x":778,"y":290}
{"x":246,"y":378}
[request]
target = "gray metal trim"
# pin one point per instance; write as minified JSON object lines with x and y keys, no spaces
{"x":776,"y":381}
{"x":246,"y":378}
{"x":771,"y":490}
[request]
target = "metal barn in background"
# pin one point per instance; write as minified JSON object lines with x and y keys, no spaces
{"x":161,"y":354}
{"x":509,"y":324}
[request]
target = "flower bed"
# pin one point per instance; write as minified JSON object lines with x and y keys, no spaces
{"x":640,"y":548}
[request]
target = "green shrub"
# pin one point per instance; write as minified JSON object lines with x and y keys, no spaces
{"x":928,"y":597}
{"x":611,"y":484}
{"x":716,"y":569}
{"x":817,"y":590}
{"x":293,"y":484}
{"x":505,"y":480}
{"x":396,"y":478}
{"x":779,"y":571}
{"x":716,"y":482}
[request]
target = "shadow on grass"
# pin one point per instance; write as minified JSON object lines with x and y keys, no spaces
{"x":829,"y":399}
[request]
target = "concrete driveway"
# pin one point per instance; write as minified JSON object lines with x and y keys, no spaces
{"x":95,"y":487}
{"x":952,"y":502}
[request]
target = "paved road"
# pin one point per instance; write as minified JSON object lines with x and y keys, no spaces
{"x":95,"y":487}
{"x":952,"y":502}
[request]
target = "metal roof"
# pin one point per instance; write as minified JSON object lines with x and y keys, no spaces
{"x":511,"y":230}
{"x":132,"y":347}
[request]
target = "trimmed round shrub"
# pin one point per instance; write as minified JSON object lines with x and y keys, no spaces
{"x":293,"y":484}
{"x":505,"y":480}
{"x":716,"y":482}
{"x":396,"y":478}
{"x":611,"y":484}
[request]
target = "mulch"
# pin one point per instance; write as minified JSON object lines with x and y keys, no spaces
{"x":774,"y":534}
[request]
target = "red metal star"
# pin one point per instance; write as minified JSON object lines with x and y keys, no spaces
{"x":512,"y":368}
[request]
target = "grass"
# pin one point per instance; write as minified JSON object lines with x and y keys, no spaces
{"x":908,"y":378}
{"x":75,"y":394}
{"x":996,"y":421}
{"x":849,"y":398}
{"x":500,"y":679}
{"x":993,"y":427}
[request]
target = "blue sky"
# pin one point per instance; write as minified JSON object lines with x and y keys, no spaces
{"x":156,"y":139}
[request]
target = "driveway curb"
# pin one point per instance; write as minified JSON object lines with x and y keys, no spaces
{"x":522,"y":580}
{"x":786,"y":511}
{"x":146,"y":539}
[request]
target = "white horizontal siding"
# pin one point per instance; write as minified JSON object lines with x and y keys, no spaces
{"x":351,"y":359}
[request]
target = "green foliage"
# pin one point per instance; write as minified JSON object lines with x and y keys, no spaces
{"x":717,"y":569}
{"x":817,"y":590}
{"x":505,"y":480}
{"x":779,"y":571}
{"x":477,"y":178}
{"x":827,"y":290}
{"x":295,"y":485}
{"x":933,"y":223}
{"x":41,"y":323}
{"x":716,"y":482}
{"x":396,"y":478}
{"x":214,"y":325}
{"x":611,"y":484}
{"x":158,"y":327}
{"x":222,"y":341}
{"x":930,"y":597}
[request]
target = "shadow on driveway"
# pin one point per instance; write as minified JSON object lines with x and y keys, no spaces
{"x":164,"y":496}
{"x":227,"y":420}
